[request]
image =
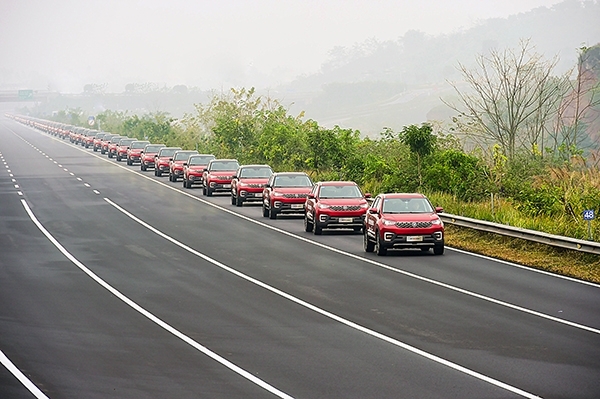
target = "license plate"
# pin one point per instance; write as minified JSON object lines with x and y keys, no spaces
{"x":258,"y":194}
{"x":297,"y":206}
{"x":414,"y":238}
{"x":346,"y":220}
{"x":226,"y":185}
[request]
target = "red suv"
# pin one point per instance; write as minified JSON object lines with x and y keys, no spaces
{"x":113,"y":144}
{"x":400,"y":221}
{"x":97,"y":143}
{"x":335,"y":205}
{"x":176,"y":163}
{"x":248,"y":183}
{"x":147,"y":156}
{"x":134,"y":152}
{"x":217,"y":176}
{"x":162,"y":159}
{"x":194,"y":168}
{"x":285,"y":192}
{"x":122,"y":147}
{"x":106,"y":141}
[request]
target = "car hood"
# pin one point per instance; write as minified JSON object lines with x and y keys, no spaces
{"x":292,"y":190}
{"x":342,"y":201}
{"x":411,"y":217}
{"x":222,"y":172}
{"x":254,"y":180}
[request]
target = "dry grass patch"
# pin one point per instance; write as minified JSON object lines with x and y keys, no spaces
{"x":556,"y":260}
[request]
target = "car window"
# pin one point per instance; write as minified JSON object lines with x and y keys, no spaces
{"x":225,"y":165}
{"x":406,"y":205}
{"x":125,"y":142}
{"x":167,"y":152}
{"x":256,"y":172}
{"x":182,"y":156}
{"x":292,"y":181}
{"x":341,"y":191}
{"x":138,"y":144}
{"x":200,"y":160}
{"x":153,"y":148}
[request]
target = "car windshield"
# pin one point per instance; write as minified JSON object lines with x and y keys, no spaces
{"x":256,"y":172}
{"x":153,"y":148}
{"x":136,"y":145}
{"x":224,"y":165}
{"x":182,"y":156}
{"x":292,"y":181}
{"x":126,"y":142}
{"x":195,"y":161}
{"x":167,"y":152}
{"x":406,"y":205}
{"x":341,"y":191}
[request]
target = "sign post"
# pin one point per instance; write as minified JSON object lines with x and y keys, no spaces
{"x":589,"y":215}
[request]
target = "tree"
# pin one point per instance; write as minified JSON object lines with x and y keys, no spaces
{"x":421,"y":142}
{"x":512,"y":97}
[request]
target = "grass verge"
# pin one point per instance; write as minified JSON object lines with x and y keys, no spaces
{"x":555,"y":260}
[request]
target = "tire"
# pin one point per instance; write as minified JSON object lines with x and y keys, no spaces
{"x":203,"y":190}
{"x":239,"y":201}
{"x":95,"y":149}
{"x":143,"y":167}
{"x":119,"y":158}
{"x":188,"y":183}
{"x":110,"y":155}
{"x":102,"y":152}
{"x":129,"y":162}
{"x":175,"y":178}
{"x":265,"y":210}
{"x":438,"y":249}
{"x":368,"y":245}
{"x":317,"y":230}
{"x":272,"y":213}
{"x":232,"y":198}
{"x":308,"y":225}
{"x":379,"y":249}
{"x":209,"y":192}
{"x":158,"y":172}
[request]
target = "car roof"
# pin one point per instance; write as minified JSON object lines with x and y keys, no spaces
{"x":337,"y":183}
{"x":255,"y":166}
{"x":402,"y":195}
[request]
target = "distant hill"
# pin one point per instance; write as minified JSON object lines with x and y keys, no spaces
{"x":378,"y":84}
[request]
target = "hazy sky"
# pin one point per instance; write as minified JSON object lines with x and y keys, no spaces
{"x":65,"y":44}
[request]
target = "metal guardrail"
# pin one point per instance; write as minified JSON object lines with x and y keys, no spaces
{"x":517,"y":232}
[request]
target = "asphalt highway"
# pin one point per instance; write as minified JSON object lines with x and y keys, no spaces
{"x":116,"y":283}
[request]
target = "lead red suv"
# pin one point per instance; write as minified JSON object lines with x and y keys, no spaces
{"x":162,"y":159}
{"x":400,"y":221}
{"x":335,"y":205}
{"x":217,"y":176}
{"x":194,"y":168}
{"x":176,"y":163}
{"x":148,"y":154}
{"x":248,"y":183}
{"x":285,"y":192}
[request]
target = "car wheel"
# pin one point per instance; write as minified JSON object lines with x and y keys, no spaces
{"x":380,"y":249}
{"x":95,"y":149}
{"x":142,"y":167}
{"x":188,"y":183}
{"x":129,"y":162}
{"x":308,"y":226}
{"x":232,"y":198}
{"x":158,"y":172}
{"x":239,"y":201}
{"x":209,"y":192}
{"x":317,"y":230}
{"x":265,"y":210}
{"x":203,"y":190}
{"x":368,"y":245}
{"x":272,"y":213}
{"x":110,"y":154}
{"x":438,"y":249}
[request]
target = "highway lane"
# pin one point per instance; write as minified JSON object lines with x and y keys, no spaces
{"x":513,"y":347}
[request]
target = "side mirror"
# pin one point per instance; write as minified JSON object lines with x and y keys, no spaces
{"x":439,"y":209}
{"x":141,"y":152}
{"x":267,"y":185}
{"x":234,"y":177}
{"x":373,"y":211}
{"x":311,"y":196}
{"x":170,"y":159}
{"x":185,"y":164}
{"x":205,"y":170}
{"x":368,"y":195}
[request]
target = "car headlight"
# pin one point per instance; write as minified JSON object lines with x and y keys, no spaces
{"x":437,"y":222}
{"x":322,"y":206}
{"x":364,"y":206}
{"x":276,"y":194}
{"x":388,"y":222}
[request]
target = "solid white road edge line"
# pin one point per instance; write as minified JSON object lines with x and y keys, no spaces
{"x":149,"y":315}
{"x":21,"y":377}
{"x":326,"y":313}
{"x":372,"y":262}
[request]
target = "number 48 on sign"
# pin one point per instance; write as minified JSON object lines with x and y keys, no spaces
{"x":589,"y":214}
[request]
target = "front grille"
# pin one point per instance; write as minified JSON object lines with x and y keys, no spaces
{"x":223,"y":177}
{"x":295,"y":195}
{"x":345,"y":208}
{"x":413,"y":225}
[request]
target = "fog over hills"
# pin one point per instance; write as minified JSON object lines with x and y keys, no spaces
{"x":366,"y":85}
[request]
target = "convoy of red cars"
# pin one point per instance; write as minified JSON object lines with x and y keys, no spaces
{"x":392,"y":221}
